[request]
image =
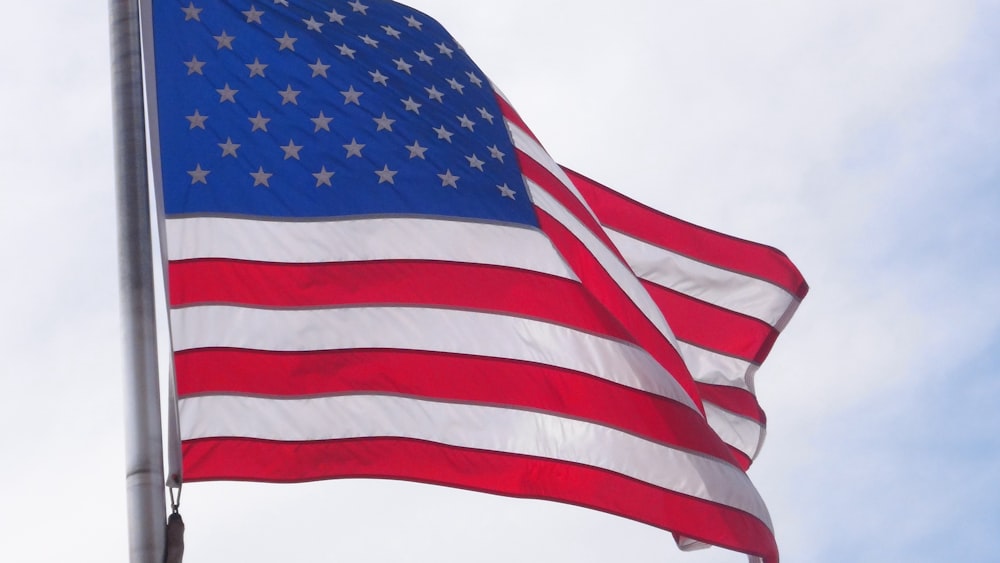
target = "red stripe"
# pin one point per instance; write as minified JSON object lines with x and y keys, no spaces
{"x":467,"y":379}
{"x":445,"y":284}
{"x":604,"y":288}
{"x":504,"y":474}
{"x":629,"y":216}
{"x":735,"y":400}
{"x":551,"y":184}
{"x":743,"y":461}
{"x":511,"y":115}
{"x":712,"y":327}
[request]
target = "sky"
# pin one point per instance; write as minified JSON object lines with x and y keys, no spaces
{"x":861,"y":138}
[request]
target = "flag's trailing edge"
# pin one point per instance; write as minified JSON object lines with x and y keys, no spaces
{"x":727,"y":299}
{"x":375,"y":270}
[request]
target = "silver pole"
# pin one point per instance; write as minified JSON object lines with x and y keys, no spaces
{"x":143,"y":435}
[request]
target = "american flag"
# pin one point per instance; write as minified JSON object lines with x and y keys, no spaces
{"x":727,"y":300}
{"x":375,"y":270}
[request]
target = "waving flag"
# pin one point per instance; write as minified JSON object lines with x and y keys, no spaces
{"x":375,"y":270}
{"x":727,"y":300}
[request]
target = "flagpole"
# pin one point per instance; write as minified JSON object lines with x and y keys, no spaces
{"x":144,"y":481}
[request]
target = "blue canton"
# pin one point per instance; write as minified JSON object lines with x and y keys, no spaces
{"x":308,"y":109}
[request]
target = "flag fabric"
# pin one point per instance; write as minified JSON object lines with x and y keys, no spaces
{"x":726,"y":299}
{"x":375,"y":270}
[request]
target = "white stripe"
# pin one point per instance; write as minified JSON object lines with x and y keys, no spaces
{"x":499,"y":93}
{"x":619,"y":272}
{"x":472,"y":426}
{"x":367,"y":239}
{"x":727,"y":289}
{"x":711,"y":367}
{"x":420,"y":328}
{"x":688,"y":544}
{"x":742,"y":433}
{"x":529,"y":146}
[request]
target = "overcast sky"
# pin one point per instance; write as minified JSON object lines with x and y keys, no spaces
{"x":861,"y":137}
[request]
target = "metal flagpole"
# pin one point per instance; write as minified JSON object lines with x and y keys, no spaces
{"x":143,"y":434}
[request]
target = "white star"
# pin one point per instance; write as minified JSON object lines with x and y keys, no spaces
{"x":456,"y":85}
{"x":192,"y":13}
{"x":357,"y":6}
{"x":449,"y":179}
{"x":444,"y":49}
{"x":353,"y":149}
{"x":288,"y":96}
{"x":282,"y":2}
{"x":368,"y":40}
{"x":424,"y":57}
{"x":486,"y":115}
{"x":413,"y":22}
{"x":335,"y":17}
{"x":433,"y":94}
{"x":256,"y":68}
{"x":259,"y":122}
{"x":313,"y":25}
{"x":286,"y":42}
{"x":291,"y":150}
{"x":474,"y":79}
{"x":346,"y":51}
{"x":352,"y":96}
{"x":412,"y":105}
{"x":466,"y":122}
{"x":224,"y":41}
{"x":402,"y":65}
{"x":197,"y":120}
{"x":384,"y":123}
{"x":390,"y":31}
{"x":386,"y":175}
{"x":227,"y":94}
{"x":416,"y":151}
{"x":319,"y":69}
{"x":321,"y":121}
{"x":495,"y":153}
{"x":474,"y":162}
{"x":379,"y":77}
{"x":253,"y":15}
{"x":198,"y":175}
{"x":323,"y":177}
{"x":260,"y":178}
{"x":229,"y":148}
{"x":443,"y":133}
{"x":506,"y":191}
{"x":194,"y":66}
